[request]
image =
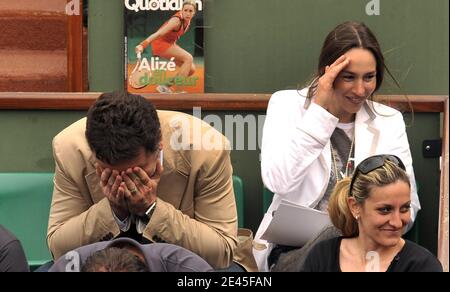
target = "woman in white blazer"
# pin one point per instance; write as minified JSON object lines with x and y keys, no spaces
{"x":312,"y":138}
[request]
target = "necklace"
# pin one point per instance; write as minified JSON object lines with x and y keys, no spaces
{"x":348,"y":164}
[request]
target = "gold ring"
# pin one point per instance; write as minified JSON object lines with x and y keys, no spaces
{"x":133,"y":191}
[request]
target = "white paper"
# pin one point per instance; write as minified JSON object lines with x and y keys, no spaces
{"x":294,"y":225}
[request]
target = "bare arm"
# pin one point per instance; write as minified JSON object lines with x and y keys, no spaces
{"x":173,"y":24}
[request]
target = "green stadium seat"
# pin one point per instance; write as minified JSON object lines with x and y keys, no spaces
{"x":239,"y":195}
{"x":24,"y":208}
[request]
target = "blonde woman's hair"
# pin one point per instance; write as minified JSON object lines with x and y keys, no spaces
{"x":338,"y":209}
{"x":190,"y":2}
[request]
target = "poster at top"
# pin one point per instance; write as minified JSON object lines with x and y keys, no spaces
{"x":164,"y":46}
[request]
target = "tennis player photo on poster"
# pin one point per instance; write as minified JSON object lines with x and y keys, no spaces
{"x":164,"y":46}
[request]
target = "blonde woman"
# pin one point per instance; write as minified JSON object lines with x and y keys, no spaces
{"x":371,"y":210}
{"x":164,"y":43}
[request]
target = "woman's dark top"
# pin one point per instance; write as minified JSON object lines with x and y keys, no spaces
{"x":324,"y":257}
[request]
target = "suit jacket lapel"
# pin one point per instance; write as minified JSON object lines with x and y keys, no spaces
{"x":174,"y":179}
{"x":171,"y":185}
{"x":93,"y":181}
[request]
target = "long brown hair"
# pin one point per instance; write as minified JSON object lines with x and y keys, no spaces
{"x":341,"y":39}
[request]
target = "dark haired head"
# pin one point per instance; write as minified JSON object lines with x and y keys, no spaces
{"x":114,"y":259}
{"x":119,"y":125}
{"x":343,"y":38}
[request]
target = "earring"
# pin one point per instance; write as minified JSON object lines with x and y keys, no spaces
{"x":356,"y":217}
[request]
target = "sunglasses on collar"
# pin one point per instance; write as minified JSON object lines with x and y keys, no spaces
{"x":374,"y":162}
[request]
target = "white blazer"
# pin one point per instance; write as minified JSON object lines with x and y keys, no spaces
{"x":296,"y":154}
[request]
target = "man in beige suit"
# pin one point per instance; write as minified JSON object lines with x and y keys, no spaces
{"x":155,"y":176}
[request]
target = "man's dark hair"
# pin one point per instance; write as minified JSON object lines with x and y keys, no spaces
{"x":113,"y":259}
{"x":119,"y":124}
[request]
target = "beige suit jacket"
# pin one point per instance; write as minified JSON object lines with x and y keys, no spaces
{"x":195,"y":208}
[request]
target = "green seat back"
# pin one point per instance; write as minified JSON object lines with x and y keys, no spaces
{"x":239,"y":195}
{"x":24,"y":208}
{"x":267,"y":199}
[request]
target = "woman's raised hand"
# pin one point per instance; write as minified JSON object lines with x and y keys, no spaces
{"x":325,"y":95}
